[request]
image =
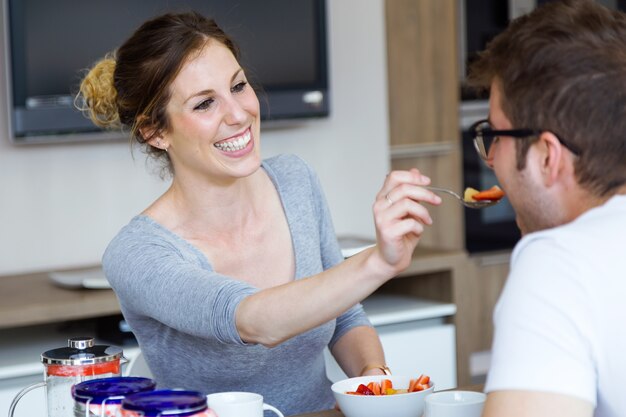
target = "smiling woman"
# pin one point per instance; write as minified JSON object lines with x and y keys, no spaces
{"x":213,"y":117}
{"x":234,"y":277}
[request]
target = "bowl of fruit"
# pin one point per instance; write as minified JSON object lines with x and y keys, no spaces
{"x":382,"y":395}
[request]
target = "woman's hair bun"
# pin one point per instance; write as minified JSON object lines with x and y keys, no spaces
{"x":97,"y":95}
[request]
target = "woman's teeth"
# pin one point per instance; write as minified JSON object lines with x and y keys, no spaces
{"x":234,"y":145}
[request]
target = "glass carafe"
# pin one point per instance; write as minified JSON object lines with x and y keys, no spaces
{"x":80,"y":361}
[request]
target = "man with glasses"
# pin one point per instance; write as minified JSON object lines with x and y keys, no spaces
{"x":556,"y":139}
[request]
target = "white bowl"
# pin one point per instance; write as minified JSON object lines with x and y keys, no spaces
{"x":409,"y":404}
{"x":455,"y":403}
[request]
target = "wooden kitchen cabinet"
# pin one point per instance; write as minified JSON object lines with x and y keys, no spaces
{"x":486,"y":276}
{"x":423,"y":104}
{"x":422,"y":70}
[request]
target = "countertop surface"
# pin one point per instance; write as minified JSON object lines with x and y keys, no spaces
{"x":34,"y":299}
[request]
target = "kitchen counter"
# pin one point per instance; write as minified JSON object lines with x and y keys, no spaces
{"x":32,"y":299}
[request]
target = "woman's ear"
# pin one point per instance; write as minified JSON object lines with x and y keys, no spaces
{"x":151,"y":135}
{"x":155,"y":140}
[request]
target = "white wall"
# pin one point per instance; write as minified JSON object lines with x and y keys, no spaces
{"x":61,"y":204}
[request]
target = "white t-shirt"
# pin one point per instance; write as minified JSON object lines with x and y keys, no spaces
{"x":560,"y":323}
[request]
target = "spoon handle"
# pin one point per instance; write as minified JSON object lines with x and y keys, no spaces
{"x":443,"y":190}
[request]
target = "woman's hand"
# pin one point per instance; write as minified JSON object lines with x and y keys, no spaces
{"x":400,"y":217}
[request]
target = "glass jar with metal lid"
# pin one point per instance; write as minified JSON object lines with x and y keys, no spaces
{"x":103,"y":397}
{"x":80,"y":361}
{"x":166,"y":402}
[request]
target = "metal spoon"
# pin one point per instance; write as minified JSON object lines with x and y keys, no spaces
{"x":471,"y":204}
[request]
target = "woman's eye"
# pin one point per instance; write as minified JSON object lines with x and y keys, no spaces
{"x":238,"y":88}
{"x":204,"y":104}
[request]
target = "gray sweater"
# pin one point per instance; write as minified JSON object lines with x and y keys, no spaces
{"x":183,"y":312}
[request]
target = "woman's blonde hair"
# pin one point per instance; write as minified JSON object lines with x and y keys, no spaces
{"x":129,"y":89}
{"x":99,"y":95}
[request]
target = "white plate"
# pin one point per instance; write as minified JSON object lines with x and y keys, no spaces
{"x":92,"y":278}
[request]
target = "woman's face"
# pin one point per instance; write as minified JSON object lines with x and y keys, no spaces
{"x":214,"y":118}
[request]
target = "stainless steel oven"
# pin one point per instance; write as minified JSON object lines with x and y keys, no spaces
{"x":478,"y":22}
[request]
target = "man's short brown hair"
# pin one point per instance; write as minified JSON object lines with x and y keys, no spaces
{"x":562,"y":68}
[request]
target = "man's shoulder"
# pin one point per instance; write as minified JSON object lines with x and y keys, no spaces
{"x":593,"y":229}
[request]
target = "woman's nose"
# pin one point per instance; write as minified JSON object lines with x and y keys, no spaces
{"x":234,"y":112}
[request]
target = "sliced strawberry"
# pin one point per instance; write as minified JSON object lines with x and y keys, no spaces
{"x":412,"y":385}
{"x":385,"y":385}
{"x":362,"y":389}
{"x":494,"y":193}
{"x":374,"y":387}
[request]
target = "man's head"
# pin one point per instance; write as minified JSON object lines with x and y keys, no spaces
{"x":562,"y":69}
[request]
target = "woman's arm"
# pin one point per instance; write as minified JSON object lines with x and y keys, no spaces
{"x":359,"y":352}
{"x":274,"y":315}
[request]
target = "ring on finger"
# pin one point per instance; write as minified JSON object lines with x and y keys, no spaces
{"x":389,"y":200}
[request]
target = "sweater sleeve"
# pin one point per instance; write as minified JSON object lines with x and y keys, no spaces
{"x":152,"y":278}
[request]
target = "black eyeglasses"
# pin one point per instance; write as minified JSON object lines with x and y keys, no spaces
{"x":484,"y":135}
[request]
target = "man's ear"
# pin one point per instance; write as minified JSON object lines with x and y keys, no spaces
{"x":551,"y":157}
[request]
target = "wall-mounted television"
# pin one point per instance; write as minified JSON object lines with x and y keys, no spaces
{"x":50,"y":43}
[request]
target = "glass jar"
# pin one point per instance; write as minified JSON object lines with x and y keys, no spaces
{"x":103,"y":397}
{"x":81,"y":360}
{"x":161,"y":403}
